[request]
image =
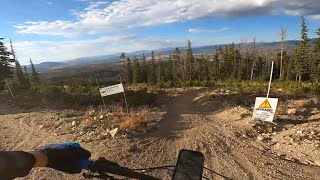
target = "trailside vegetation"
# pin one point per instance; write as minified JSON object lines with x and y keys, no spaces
{"x":245,"y":66}
{"x":242,"y":62}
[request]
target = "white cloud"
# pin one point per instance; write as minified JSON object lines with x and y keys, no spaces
{"x":316,"y":17}
{"x":94,"y":5}
{"x":101,"y":17}
{"x":41,"y":51}
{"x":201,"y":30}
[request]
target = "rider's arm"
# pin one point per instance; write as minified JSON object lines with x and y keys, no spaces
{"x":63,"y":157}
{"x":41,"y":158}
{"x":18,"y":163}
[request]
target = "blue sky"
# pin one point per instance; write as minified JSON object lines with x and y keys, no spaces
{"x":56,"y":30}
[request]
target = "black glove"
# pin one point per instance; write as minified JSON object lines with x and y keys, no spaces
{"x":65,"y":157}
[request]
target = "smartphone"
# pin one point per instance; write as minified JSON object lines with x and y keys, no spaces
{"x":189,"y":165}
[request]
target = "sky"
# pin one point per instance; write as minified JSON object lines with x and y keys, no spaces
{"x":57,"y":30}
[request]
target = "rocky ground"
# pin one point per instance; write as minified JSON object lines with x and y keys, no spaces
{"x":209,"y":121}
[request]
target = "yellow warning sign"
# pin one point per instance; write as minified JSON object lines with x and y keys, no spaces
{"x":265,"y":109}
{"x":265,"y":104}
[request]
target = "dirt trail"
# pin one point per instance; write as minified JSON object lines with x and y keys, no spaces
{"x":188,"y":124}
{"x":173,"y":121}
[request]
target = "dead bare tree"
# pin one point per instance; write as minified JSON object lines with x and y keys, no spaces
{"x":283,"y":36}
{"x":254,"y":58}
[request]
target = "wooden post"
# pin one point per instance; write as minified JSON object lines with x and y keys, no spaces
{"x":105,"y":108}
{"x":124,"y":94}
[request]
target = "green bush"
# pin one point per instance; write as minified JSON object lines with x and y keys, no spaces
{"x":140,"y":97}
{"x":316,"y":89}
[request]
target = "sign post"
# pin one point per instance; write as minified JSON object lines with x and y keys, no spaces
{"x":271,"y":73}
{"x":265,"y":107}
{"x":114,"y":89}
{"x":104,"y":104}
{"x":110,"y":90}
{"x":124,"y":94}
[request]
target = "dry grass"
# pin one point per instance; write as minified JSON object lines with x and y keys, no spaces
{"x":70,"y":113}
{"x":136,"y":120}
{"x":132,"y":121}
{"x":115,"y":109}
{"x":88,"y":122}
{"x":90,"y":112}
{"x":301,"y":103}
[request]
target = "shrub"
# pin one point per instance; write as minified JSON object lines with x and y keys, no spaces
{"x":140,"y":97}
{"x":316,"y":89}
{"x":135,"y":120}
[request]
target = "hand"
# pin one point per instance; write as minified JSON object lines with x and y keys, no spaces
{"x":65,"y":157}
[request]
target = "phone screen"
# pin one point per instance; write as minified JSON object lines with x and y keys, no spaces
{"x":189,"y":165}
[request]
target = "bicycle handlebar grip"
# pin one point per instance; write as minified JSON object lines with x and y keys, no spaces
{"x":84,"y":163}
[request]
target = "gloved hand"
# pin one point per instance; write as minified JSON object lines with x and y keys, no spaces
{"x":65,"y":156}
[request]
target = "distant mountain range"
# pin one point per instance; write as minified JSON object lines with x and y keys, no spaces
{"x":51,"y":66}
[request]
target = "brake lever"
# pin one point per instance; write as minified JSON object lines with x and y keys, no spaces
{"x":89,"y":166}
{"x":102,"y":167}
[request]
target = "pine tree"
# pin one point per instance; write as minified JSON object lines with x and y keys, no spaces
{"x":160,"y":73}
{"x":136,"y":72}
{"x":169,"y":68}
{"x":21,"y":79}
{"x":317,"y":42}
{"x":123,"y":65}
{"x":5,"y":64}
{"x":229,"y":61}
{"x":296,"y":56}
{"x":13,"y":53}
{"x":315,"y":68}
{"x":238,"y":72}
{"x":283,"y":36}
{"x":189,"y":70}
{"x":123,"y":56}
{"x":144,"y":69}
{"x":286,"y":64}
{"x":26,"y":75}
{"x":215,"y":68}
{"x":203,"y":74}
{"x":302,"y":62}
{"x":177,"y":67}
{"x":35,"y":78}
{"x":290,"y":68}
{"x":128,"y":72}
{"x":152,"y":70}
{"x":315,"y":65}
{"x":253,"y":55}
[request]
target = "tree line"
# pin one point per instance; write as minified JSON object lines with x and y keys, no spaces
{"x":245,"y":61}
{"x":17,"y":75}
{"x":242,"y":62}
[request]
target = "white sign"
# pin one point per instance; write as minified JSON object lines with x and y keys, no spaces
{"x":115,"y":89}
{"x":265,"y":108}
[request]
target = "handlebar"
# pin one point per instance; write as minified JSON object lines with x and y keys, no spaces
{"x":104,"y":166}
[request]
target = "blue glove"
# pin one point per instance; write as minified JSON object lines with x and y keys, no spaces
{"x":65,"y":156}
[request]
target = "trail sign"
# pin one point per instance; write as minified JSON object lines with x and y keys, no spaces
{"x":265,"y":104}
{"x":265,"y":108}
{"x":110,"y":90}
